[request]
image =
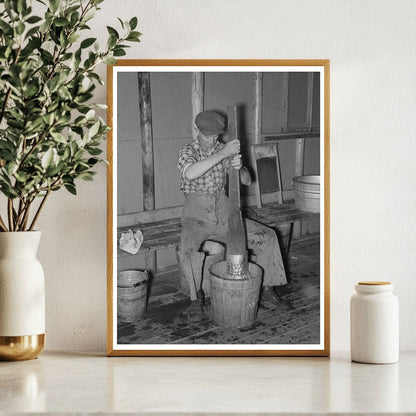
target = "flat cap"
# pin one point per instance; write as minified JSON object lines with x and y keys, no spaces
{"x":210,"y":122}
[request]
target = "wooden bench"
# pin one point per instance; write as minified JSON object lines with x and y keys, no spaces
{"x":160,"y":232}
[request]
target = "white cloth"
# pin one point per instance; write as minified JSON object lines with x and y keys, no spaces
{"x":131,"y":242}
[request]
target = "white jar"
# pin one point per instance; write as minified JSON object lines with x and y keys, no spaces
{"x":374,"y":323}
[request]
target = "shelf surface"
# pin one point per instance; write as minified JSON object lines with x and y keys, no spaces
{"x":86,"y":383}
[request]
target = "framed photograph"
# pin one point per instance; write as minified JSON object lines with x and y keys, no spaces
{"x":218,"y":208}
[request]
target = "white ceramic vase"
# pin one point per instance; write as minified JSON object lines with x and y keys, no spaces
{"x":22,"y":296}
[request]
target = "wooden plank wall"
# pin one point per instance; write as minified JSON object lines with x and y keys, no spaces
{"x":171,"y":98}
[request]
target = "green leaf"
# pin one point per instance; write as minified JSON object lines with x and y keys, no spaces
{"x":16,"y":124}
{"x":47,"y":158}
{"x":10,"y":8}
{"x":74,"y":18}
{"x":20,"y":28}
{"x":67,"y":153}
{"x":60,"y":138}
{"x":133,"y":37}
{"x":110,"y":60}
{"x":121,"y":22}
{"x":33,"y":19}
{"x":94,"y":129}
{"x":8,"y":191}
{"x":94,"y":151}
{"x":119,"y":52}
{"x":52,"y":171}
{"x":48,"y":118}
{"x":87,"y":42}
{"x":63,"y":41}
{"x":35,"y":125}
{"x":31,"y":90}
{"x":61,"y":21}
{"x":88,"y":16}
{"x":70,"y":188}
{"x":111,"y":30}
{"x":67,"y":56}
{"x":11,"y":168}
{"x":21,"y":177}
{"x":82,"y":98}
{"x":112,"y":41}
{"x":73,"y":38}
{"x":53,"y":83}
{"x":27,"y":11}
{"x":90,"y":115}
{"x":92,"y":161}
{"x":133,"y":23}
{"x":86,"y":176}
{"x":6,"y":29}
{"x":54,"y":4}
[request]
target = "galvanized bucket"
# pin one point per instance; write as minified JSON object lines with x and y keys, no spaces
{"x":131,"y":294}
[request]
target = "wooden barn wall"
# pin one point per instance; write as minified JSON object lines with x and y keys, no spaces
{"x":171,"y":112}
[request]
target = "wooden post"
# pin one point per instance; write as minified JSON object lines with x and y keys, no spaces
{"x":309,"y":104}
{"x":257,"y":106}
{"x":145,"y":106}
{"x":300,"y":147}
{"x":300,"y":153}
{"x":197,"y":99}
{"x":285,"y":99}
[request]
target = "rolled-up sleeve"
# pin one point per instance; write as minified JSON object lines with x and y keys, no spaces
{"x":186,"y":158}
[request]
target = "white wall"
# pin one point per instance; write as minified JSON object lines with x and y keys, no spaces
{"x":371,"y":45}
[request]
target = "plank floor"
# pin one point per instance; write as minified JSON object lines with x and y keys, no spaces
{"x":165,"y":321}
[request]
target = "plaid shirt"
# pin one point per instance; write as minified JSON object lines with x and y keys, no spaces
{"x":210,"y":182}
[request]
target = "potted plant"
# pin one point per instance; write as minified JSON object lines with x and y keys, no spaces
{"x":50,"y":137}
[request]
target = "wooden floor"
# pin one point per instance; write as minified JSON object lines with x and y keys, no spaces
{"x":165,"y":321}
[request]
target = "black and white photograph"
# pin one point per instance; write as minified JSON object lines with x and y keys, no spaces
{"x":218,"y":219}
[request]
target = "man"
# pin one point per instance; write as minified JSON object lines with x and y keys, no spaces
{"x":204,"y":165}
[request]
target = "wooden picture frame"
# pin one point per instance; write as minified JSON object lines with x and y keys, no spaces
{"x":284,"y":103}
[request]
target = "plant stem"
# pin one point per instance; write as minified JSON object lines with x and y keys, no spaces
{"x":39,"y":209}
{"x":17,"y":217}
{"x":10,"y":213}
{"x":2,"y":224}
{"x":26,"y":216}
{"x":20,"y":212}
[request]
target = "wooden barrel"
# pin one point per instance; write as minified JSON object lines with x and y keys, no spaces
{"x":131,"y":294}
{"x":235,"y":302}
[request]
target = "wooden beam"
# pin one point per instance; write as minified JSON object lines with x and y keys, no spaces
{"x":148,"y":169}
{"x":290,"y":136}
{"x":257,"y":106}
{"x":197,"y":98}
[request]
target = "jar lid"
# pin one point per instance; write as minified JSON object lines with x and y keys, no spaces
{"x":370,"y":287}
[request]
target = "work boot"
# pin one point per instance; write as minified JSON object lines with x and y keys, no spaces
{"x":269,"y":298}
{"x":195,"y":311}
